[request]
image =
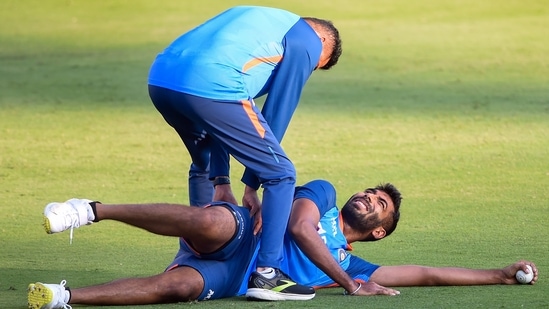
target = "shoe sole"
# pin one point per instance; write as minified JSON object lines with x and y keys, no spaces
{"x":47,"y":225}
{"x":38,"y":296}
{"x":264,"y":294}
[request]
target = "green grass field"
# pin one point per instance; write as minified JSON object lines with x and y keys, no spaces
{"x":448,"y":100}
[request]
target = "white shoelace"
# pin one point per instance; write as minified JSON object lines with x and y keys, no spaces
{"x":62,"y":283}
{"x":74,"y":222}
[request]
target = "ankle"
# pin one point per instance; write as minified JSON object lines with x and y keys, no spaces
{"x":267,"y":272}
{"x":93,"y":206}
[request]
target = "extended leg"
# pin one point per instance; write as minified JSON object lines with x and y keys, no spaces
{"x":180,"y":284}
{"x":177,"y":285}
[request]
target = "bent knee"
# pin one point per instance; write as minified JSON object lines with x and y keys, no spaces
{"x":286,"y":180}
{"x":215,"y":222}
{"x":180,"y":284}
{"x":282,"y":171}
{"x":214,"y":216}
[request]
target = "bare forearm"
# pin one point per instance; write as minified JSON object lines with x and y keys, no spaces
{"x":319,"y":254}
{"x":411,"y":275}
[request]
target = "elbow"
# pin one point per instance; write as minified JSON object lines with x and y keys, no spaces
{"x":297,"y":231}
{"x":293,"y":230}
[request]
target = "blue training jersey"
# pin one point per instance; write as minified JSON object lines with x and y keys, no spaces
{"x":236,"y":55}
{"x":242,"y":53}
{"x":295,"y":262}
{"x":297,"y":265}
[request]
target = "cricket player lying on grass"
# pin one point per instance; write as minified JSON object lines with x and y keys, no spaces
{"x":218,"y":247}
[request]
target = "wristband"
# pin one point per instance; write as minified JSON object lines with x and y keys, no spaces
{"x":223,"y":180}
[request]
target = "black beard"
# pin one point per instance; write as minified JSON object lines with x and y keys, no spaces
{"x":362,"y":223}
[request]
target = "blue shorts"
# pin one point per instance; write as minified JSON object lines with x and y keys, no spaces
{"x":223,"y":271}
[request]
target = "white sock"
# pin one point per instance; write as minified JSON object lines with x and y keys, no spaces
{"x":268,"y":273}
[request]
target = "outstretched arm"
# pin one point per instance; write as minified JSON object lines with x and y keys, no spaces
{"x":413,"y":275}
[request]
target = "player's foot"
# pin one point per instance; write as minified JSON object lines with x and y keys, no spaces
{"x":59,"y":217}
{"x":47,"y":296}
{"x":280,"y":287}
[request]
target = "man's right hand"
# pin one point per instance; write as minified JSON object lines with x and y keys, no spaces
{"x":251,"y":201}
{"x":510,"y":271}
{"x":371,"y":288}
{"x":224,"y":193}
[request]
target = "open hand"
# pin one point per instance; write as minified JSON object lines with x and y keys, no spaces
{"x":371,"y":288}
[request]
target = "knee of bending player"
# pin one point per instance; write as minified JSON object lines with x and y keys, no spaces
{"x":198,"y":169}
{"x":277,"y":174}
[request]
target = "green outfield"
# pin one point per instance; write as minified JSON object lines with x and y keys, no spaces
{"x":448,"y":100}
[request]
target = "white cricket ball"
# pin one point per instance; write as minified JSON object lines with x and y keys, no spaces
{"x":523,"y":277}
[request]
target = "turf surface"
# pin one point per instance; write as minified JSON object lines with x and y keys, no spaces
{"x":448,"y":100}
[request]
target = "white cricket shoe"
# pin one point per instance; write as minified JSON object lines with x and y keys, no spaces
{"x":59,"y":217}
{"x":47,"y":296}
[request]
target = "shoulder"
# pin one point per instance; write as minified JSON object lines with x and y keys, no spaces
{"x":318,"y":186}
{"x":319,"y":191}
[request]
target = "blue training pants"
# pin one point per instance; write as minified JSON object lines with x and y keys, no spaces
{"x":237,"y":128}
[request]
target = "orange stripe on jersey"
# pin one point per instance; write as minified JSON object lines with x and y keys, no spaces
{"x":257,"y":61}
{"x":253,"y":117}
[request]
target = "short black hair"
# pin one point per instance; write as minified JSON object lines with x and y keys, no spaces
{"x":390,"y":223}
{"x":334,"y":36}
